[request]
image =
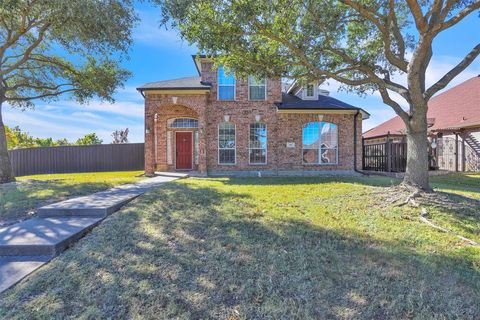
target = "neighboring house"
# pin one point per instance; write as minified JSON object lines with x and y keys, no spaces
{"x":453,"y":127}
{"x":219,"y":124}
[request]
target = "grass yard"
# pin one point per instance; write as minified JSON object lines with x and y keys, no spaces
{"x":268,"y":248}
{"x":19,"y":200}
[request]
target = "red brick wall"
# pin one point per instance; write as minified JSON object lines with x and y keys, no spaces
{"x":281,"y":128}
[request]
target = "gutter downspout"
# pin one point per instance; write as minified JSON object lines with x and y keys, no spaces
{"x":355,"y":142}
{"x":155,"y":118}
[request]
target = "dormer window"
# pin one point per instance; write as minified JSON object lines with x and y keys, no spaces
{"x":310,"y":90}
{"x":226,"y":85}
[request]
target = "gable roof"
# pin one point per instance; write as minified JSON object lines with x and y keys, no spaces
{"x":186,"y":83}
{"x":292,"y":102}
{"x":454,"y":109}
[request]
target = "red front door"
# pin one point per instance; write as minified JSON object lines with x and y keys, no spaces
{"x":184,"y":147}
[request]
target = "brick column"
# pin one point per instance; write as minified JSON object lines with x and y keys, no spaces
{"x":149,"y":139}
{"x":202,"y":143}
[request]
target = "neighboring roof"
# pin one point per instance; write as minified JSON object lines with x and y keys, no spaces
{"x":456,"y":108}
{"x":292,"y":102}
{"x":187,"y":83}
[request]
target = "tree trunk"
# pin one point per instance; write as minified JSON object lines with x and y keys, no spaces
{"x":6,"y":172}
{"x":416,"y":174}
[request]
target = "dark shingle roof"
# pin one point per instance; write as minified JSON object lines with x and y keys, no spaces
{"x":180,"y":84}
{"x":292,"y":102}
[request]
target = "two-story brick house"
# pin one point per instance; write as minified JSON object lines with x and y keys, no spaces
{"x":219,"y":124}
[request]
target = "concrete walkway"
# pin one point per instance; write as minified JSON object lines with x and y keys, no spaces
{"x":27,"y":245}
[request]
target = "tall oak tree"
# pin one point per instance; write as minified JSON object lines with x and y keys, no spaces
{"x":54,"y":47}
{"x":373,"y":45}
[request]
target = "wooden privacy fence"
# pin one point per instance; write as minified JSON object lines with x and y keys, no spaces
{"x":388,"y":156}
{"x":72,"y":159}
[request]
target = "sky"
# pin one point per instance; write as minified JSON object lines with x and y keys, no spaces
{"x":159,"y":54}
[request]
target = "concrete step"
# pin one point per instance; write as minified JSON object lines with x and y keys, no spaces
{"x":14,"y":269}
{"x":43,"y":236}
{"x":101,"y":204}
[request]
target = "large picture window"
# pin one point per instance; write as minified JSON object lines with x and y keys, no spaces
{"x":226,"y":143}
{"x":320,"y":143}
{"x":258,"y":143}
{"x":256,"y":88}
{"x":226,"y":85}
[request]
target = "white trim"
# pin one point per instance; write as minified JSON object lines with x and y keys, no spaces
{"x":266,"y":146}
{"x":218,"y":145}
{"x":248,"y":85}
{"x":234,"y":87}
{"x":191,"y":133}
{"x":171,"y":120}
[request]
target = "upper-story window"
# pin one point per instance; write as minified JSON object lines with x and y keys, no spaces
{"x":256,"y":88}
{"x":310,"y":90}
{"x":226,"y":85}
{"x":320,"y":143}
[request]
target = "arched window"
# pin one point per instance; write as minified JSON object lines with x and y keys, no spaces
{"x":320,"y":143}
{"x":226,"y":143}
{"x":183,"y":123}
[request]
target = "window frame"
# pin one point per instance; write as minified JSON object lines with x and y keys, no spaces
{"x":313,"y":90}
{"x":171,"y":121}
{"x":226,"y":85}
{"x":250,"y":148}
{"x":234,"y":148}
{"x":250,"y":78}
{"x":320,"y":149}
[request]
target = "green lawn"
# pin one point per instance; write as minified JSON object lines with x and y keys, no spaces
{"x":268,"y":248}
{"x":19,"y":200}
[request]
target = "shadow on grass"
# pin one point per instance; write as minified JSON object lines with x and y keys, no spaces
{"x":376,"y":181}
{"x":194,"y":253}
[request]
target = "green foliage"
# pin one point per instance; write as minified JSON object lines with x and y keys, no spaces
{"x":16,"y":138}
{"x":94,"y":37}
{"x":89,"y":139}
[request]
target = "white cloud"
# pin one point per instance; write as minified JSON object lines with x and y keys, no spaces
{"x":89,"y":115}
{"x":151,"y":33}
{"x":64,"y":123}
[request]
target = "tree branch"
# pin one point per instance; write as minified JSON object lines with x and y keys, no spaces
{"x":395,"y":105}
{"x":418,"y":17}
{"x":46,"y":95}
{"x":41,"y":34}
{"x":459,"y":16}
{"x":449,"y":76}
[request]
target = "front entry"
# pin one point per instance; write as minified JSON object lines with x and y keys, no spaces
{"x":184,"y":150}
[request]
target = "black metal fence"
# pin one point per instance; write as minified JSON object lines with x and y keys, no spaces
{"x":388,"y":157}
{"x":73,"y":159}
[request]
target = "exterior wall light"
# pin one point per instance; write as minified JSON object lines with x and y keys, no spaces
{"x":258,"y":118}
{"x":174,"y":100}
{"x":226,"y":118}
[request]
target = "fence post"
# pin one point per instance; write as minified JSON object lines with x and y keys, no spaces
{"x":456,"y":152}
{"x":388,"y":147}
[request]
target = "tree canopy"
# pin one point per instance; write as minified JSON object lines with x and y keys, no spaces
{"x":54,"y":47}
{"x":375,"y":45}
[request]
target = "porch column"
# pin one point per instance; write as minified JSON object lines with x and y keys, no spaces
{"x":202,"y":143}
{"x":149,"y":139}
